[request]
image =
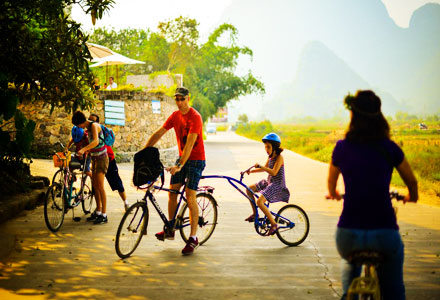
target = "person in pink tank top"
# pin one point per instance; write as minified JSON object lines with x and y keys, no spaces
{"x":112,"y":175}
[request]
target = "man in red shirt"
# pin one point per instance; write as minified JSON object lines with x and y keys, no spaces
{"x":187,"y":124}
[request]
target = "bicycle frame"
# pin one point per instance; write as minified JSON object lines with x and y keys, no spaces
{"x":258,"y":223}
{"x":149,"y":196}
{"x":68,"y":183}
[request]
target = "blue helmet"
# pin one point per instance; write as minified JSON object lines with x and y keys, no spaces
{"x":272,"y":137}
{"x":77,"y":134}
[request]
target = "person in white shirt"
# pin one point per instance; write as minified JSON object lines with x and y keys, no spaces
{"x":112,"y":84}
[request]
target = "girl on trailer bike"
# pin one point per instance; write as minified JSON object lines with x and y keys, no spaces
{"x":274,"y":188}
{"x":366,"y":158}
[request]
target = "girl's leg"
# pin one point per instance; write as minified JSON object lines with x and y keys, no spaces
{"x":101,"y":191}
{"x":97,"y":192}
{"x":250,"y":195}
{"x":265,"y":210}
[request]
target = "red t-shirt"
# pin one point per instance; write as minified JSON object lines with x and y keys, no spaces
{"x":183,"y":125}
{"x":110,"y":153}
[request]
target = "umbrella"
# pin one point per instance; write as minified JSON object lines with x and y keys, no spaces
{"x":98,"y":51}
{"x":115,"y":59}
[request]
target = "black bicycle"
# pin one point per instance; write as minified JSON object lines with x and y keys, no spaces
{"x":134,"y":223}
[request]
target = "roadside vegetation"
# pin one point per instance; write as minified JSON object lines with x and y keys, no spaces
{"x":316,"y":139}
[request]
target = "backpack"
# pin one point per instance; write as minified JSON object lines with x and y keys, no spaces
{"x":147,"y":166}
{"x":109,"y":135}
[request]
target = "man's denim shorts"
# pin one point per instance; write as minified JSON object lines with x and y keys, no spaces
{"x":191,"y":171}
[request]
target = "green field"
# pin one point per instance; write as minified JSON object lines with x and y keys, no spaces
{"x":316,"y":140}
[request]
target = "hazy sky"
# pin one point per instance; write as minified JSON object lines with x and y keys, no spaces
{"x":147,"y":14}
{"x":143,"y":14}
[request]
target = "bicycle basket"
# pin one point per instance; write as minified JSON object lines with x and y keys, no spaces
{"x":61,"y":160}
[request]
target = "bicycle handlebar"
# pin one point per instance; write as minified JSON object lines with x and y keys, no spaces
{"x":396,"y":195}
{"x":393,"y":195}
{"x":61,"y":144}
{"x":244,"y":172}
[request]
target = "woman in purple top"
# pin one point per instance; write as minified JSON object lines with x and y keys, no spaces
{"x":274,"y":188}
{"x":366,"y":158}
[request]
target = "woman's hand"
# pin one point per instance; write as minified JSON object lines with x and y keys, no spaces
{"x":407,"y":198}
{"x":81,"y":151}
{"x":335,"y":196}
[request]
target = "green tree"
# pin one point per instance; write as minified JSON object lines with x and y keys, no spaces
{"x":43,"y":57}
{"x":243,"y":118}
{"x":212,"y":76}
{"x":208,"y":69}
{"x":182,"y":34}
{"x":146,"y":46}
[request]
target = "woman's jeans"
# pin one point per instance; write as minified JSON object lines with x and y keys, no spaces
{"x":386,"y":241}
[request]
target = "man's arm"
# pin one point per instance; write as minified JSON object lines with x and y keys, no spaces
{"x":190,"y":141}
{"x":155,"y":137}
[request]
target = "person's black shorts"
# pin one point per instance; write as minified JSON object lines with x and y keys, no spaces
{"x":113,"y":177}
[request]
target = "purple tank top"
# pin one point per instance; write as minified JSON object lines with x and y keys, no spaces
{"x":366,"y":170}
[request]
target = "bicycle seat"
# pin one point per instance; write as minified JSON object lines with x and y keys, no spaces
{"x":366,"y":257}
{"x":74,"y":165}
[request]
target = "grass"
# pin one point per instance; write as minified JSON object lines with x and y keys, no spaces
{"x":317,"y":140}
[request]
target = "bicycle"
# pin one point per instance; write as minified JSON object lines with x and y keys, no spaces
{"x":59,"y":175}
{"x":366,"y":286}
{"x":292,"y":220}
{"x":62,"y":195}
{"x":134,"y":223}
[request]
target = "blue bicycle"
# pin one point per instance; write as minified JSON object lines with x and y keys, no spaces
{"x":63,"y":195}
{"x":293,"y":223}
{"x":134,"y":223}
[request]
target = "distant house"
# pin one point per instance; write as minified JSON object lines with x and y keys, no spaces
{"x":423,"y":126}
{"x":221,"y":116}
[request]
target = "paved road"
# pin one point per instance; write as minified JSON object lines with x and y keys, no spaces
{"x":79,"y":262}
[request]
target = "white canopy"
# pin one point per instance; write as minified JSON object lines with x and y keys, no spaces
{"x":115,"y":59}
{"x":98,"y":51}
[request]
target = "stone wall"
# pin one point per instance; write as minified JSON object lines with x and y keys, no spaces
{"x":140,"y":122}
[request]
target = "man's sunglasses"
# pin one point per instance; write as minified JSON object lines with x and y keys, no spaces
{"x":179,"y":98}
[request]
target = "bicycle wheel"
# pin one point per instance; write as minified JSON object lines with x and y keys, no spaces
{"x":87,"y":196}
{"x":58,"y":177}
{"x":293,"y":225}
{"x":54,"y":207}
{"x":131,"y":229}
{"x":207,"y":218}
